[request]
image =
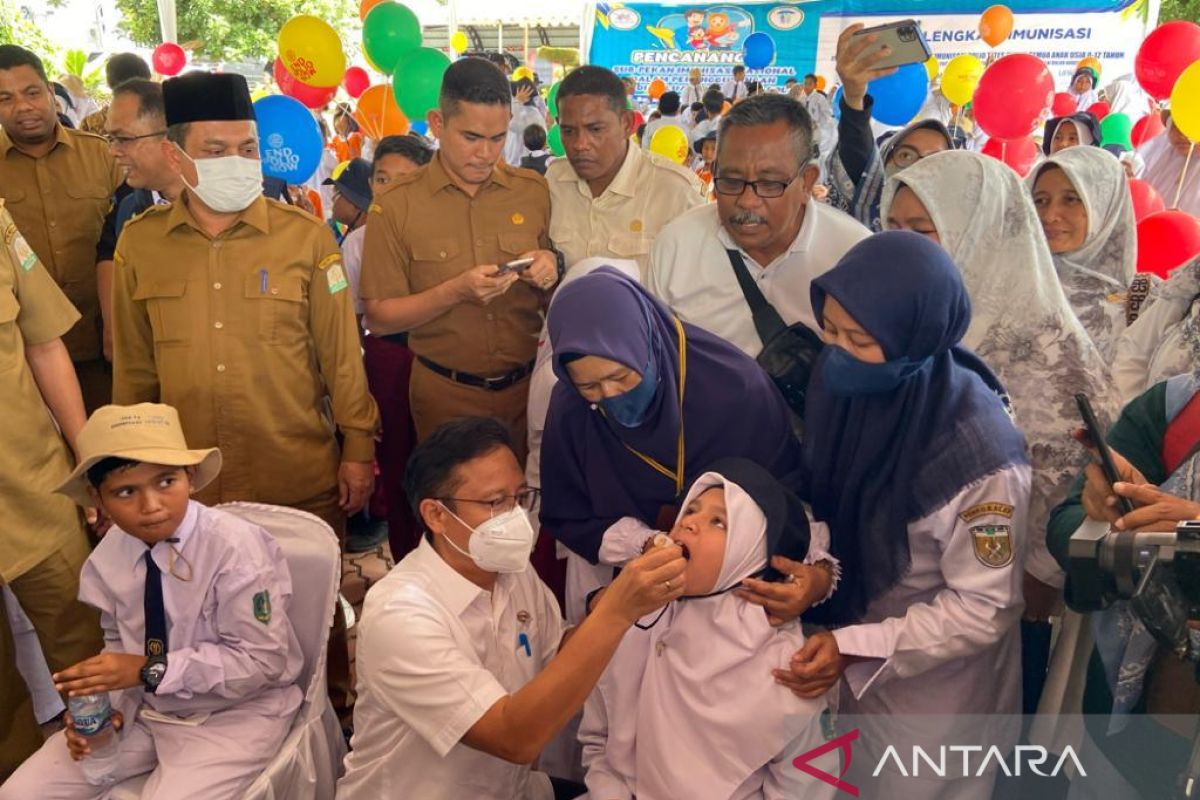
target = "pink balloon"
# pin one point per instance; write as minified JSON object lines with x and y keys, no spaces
{"x":310,"y":96}
{"x":1167,"y":240}
{"x":1064,"y":105}
{"x":169,"y":59}
{"x":1020,"y":154}
{"x":356,"y":81}
{"x":1013,"y":93}
{"x":1099,"y":110}
{"x":1146,"y":199}
{"x":1164,"y":55}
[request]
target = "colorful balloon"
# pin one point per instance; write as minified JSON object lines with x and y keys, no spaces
{"x":1117,"y":129}
{"x":378,"y":115}
{"x":961,"y":79}
{"x":671,"y":142}
{"x":311,"y":51}
{"x":1164,"y":55}
{"x":932,"y":68}
{"x":522,"y":73}
{"x":821,"y":83}
{"x":552,"y":99}
{"x":365,"y":7}
{"x":1013,"y":94}
{"x":554,"y":141}
{"x":898,"y":97}
{"x":996,"y":25}
{"x":417,"y":80}
{"x":389,"y":32}
{"x":1063,"y":105}
{"x":1146,"y":199}
{"x":758,"y":51}
{"x":1147,"y":128}
{"x":356,"y":81}
{"x":1091,"y":62}
{"x":289,"y":140}
{"x":1167,"y":240}
{"x":658,"y":87}
{"x":169,"y":59}
{"x":310,"y":96}
{"x":1099,"y":110}
{"x":459,"y":42}
{"x":1020,"y":154}
{"x":1185,"y":102}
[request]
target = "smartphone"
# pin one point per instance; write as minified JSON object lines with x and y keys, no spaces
{"x":905,"y":39}
{"x":517,"y":265}
{"x":1106,"y":462}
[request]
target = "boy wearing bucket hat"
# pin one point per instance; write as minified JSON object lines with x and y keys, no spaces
{"x":200,"y":653}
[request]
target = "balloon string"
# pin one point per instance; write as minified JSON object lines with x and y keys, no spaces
{"x":1183,"y":175}
{"x":1004,"y":151}
{"x":958,"y":122}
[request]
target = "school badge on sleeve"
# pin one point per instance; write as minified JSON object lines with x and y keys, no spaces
{"x":993,"y":545}
{"x":262,"y":607}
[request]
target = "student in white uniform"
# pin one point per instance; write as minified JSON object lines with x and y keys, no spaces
{"x":200,"y":659}
{"x":735,"y":90}
{"x":913,"y":461}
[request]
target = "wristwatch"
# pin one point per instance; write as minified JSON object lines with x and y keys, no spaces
{"x":152,"y":673}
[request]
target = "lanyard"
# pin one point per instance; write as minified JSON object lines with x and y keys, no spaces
{"x":677,"y":474}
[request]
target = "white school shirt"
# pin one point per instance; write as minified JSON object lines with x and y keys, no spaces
{"x":734,"y":91}
{"x":221,"y":652}
{"x":691,"y":273}
{"x":434,"y":653}
{"x":352,"y":252}
{"x":691,"y":94}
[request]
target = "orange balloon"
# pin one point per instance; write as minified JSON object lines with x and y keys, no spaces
{"x":1090,"y":61}
{"x":658,"y":88}
{"x":378,"y":115}
{"x":821,"y":83}
{"x":996,"y":25}
{"x":365,"y":7}
{"x":725,"y":108}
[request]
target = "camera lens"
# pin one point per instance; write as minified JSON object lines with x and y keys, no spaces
{"x":907,"y":33}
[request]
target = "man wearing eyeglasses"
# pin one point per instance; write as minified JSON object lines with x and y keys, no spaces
{"x":57,"y":183}
{"x":763,"y":176}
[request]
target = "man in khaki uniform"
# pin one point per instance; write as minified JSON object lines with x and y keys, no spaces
{"x":234,"y":309}
{"x":435,"y":243}
{"x":608,"y":197}
{"x":42,"y":543}
{"x":58,"y":184}
{"x":120,"y":68}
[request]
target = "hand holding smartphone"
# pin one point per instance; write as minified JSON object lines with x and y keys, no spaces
{"x":517,"y":265}
{"x":1101,"y":447}
{"x":904,"y":38}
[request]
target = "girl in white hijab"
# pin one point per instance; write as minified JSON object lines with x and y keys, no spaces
{"x":1165,"y":340}
{"x":1165,"y":156}
{"x":1082,"y":199}
{"x":687,"y":707}
{"x":1022,"y":324}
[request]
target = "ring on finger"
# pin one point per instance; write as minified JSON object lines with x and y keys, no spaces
{"x":667,"y":584}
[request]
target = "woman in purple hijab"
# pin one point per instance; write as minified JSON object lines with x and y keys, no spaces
{"x":644,"y":404}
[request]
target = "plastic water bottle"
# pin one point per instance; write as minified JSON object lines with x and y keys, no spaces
{"x":92,"y":716}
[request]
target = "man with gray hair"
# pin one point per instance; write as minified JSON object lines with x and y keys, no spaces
{"x":764,"y":221}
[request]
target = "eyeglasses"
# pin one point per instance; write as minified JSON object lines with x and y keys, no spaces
{"x":764,"y":189}
{"x":906,"y":155}
{"x":526,"y":499}
{"x":124,"y":141}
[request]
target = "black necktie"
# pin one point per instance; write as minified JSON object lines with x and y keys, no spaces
{"x":156,"y":612}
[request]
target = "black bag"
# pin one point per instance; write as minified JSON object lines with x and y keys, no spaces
{"x":788,"y":352}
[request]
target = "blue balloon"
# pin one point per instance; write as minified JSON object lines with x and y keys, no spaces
{"x":899,"y":96}
{"x":758,"y":51}
{"x":289,"y":140}
{"x":836,"y":102}
{"x":419,"y":126}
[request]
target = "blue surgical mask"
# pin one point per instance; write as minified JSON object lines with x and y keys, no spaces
{"x":846,"y":376}
{"x":629,"y":409}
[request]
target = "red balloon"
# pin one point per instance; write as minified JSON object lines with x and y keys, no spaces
{"x":1167,"y":240}
{"x":310,"y":96}
{"x":1013,"y":93}
{"x":356,"y":81}
{"x":1146,"y":199}
{"x":638,"y":120}
{"x":1020,"y":154}
{"x":1146,"y":129}
{"x":1164,"y":55}
{"x":1064,"y":105}
{"x":169,"y":59}
{"x":1099,"y":110}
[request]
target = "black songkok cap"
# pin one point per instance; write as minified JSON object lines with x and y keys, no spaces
{"x":207,"y":97}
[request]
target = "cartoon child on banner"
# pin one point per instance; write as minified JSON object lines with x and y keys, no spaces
{"x":721,"y":32}
{"x":695,"y":29}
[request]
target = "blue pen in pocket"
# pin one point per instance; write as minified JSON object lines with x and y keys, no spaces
{"x":262,"y":281}
{"x":523,"y":641}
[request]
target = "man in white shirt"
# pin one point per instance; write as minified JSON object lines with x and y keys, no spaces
{"x":764,"y":179}
{"x":692,"y":93}
{"x":714,"y":103}
{"x":462,"y":680}
{"x":735,"y":89}
{"x":669,"y":108}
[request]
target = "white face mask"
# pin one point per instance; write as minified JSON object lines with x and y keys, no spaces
{"x":502,"y":544}
{"x":227,"y":184}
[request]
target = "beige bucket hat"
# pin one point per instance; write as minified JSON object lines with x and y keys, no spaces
{"x":148,"y":432}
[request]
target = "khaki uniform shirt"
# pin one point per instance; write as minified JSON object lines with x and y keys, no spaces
{"x":59,"y":202}
{"x":425,"y":230}
{"x":648,"y":192}
{"x":250,"y":336}
{"x":95,"y":122}
{"x":34,"y":459}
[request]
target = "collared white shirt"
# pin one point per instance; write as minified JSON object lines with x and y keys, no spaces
{"x":434,"y":653}
{"x":647,"y":193}
{"x":691,"y":94}
{"x":691,"y":273}
{"x":229,"y":640}
{"x":734,"y":90}
{"x":703,"y":127}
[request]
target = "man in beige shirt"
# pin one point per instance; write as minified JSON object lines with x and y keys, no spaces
{"x":609,"y":197}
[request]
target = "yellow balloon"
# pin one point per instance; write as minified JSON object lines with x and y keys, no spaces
{"x":458,"y":42}
{"x":521,"y":73}
{"x":932,"y":67}
{"x":961,"y":78}
{"x":259,"y":95}
{"x":1185,"y":103}
{"x":311,"y":51}
{"x":671,"y":142}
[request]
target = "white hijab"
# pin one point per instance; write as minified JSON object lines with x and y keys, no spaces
{"x":1164,"y":165}
{"x":1124,"y":96}
{"x":1022,"y":325}
{"x":1096,"y":276}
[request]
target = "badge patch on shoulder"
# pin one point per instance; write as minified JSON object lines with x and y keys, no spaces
{"x":993,"y":545}
{"x":983,"y":509}
{"x":262,"y":607}
{"x":24,"y":253}
{"x":336,"y":277}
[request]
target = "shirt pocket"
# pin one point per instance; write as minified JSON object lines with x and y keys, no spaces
{"x":433,"y":262}
{"x":276,"y":305}
{"x":514,"y":244}
{"x":10,"y":340}
{"x":630,"y":245}
{"x":167,"y":307}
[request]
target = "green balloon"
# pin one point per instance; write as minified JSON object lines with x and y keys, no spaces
{"x":389,"y":31}
{"x":1117,"y":129}
{"x":417,"y":80}
{"x":552,"y":99}
{"x":554,"y":141}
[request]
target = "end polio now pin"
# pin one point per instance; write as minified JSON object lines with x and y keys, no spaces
{"x":523,"y":641}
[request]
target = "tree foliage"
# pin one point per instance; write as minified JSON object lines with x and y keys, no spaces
{"x":17,"y":28}
{"x":1180,"y":9}
{"x":232,"y":30}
